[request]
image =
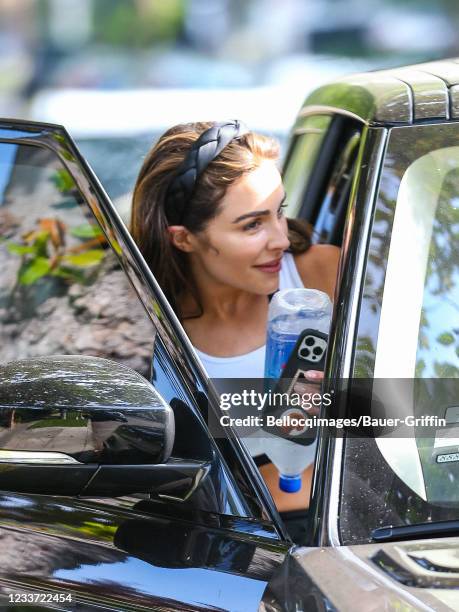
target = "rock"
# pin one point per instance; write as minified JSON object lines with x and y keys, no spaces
{"x":104,"y":319}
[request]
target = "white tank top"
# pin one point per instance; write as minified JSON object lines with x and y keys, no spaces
{"x":252,"y":364}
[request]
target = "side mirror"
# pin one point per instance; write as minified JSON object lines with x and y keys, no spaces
{"x":76,"y":425}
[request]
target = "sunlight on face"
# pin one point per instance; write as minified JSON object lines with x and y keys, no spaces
{"x":243,"y":246}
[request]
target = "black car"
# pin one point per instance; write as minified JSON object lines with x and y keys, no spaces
{"x":116,"y":494}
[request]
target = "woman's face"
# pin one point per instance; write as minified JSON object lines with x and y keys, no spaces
{"x":243,"y":246}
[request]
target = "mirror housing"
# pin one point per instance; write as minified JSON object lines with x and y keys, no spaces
{"x":78,"y":425}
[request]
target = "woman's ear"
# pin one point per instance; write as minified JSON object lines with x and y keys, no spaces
{"x":181,"y":238}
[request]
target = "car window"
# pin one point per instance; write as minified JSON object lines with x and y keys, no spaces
{"x":300,"y":160}
{"x":62,"y":289}
{"x":408,"y":338}
{"x":423,"y":266}
{"x":318,"y":173}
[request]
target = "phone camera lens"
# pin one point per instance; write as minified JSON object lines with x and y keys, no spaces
{"x":305,"y":353}
{"x":309,"y":341}
{"x":317,"y":350}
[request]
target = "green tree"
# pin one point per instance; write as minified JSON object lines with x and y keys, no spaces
{"x":137,"y":23}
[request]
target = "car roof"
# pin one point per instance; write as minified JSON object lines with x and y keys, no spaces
{"x":405,"y":95}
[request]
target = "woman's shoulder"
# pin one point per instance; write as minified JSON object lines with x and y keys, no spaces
{"x":320,"y":254}
{"x":318,"y":267}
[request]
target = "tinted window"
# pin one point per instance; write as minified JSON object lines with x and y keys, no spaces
{"x":62,"y":290}
{"x":319,"y":171}
{"x":301,"y":158}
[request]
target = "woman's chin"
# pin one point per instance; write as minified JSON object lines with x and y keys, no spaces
{"x":268,"y":287}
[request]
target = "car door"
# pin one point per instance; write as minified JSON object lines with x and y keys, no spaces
{"x":73,"y":283}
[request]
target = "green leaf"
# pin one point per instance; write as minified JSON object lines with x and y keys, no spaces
{"x":63,"y":181}
{"x":116,"y":247}
{"x":33,"y":270}
{"x":157,"y":310}
{"x":69,"y":274}
{"x":365,"y":344}
{"x":40,"y":244}
{"x":86,"y":231}
{"x":446,"y":338}
{"x":19,"y":249}
{"x":89,"y":258}
{"x":446,"y":370}
{"x":420,"y":367}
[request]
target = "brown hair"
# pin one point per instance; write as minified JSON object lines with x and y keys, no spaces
{"x":148,"y":220}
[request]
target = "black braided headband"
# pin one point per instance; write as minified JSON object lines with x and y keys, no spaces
{"x":206,"y":148}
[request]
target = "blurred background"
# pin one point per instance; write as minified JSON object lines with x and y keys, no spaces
{"x":117,"y":73}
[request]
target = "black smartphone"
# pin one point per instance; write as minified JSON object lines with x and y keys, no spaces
{"x":309,"y":353}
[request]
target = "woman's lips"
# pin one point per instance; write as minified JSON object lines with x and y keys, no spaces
{"x":270,"y":266}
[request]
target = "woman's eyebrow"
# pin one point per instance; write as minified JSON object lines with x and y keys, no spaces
{"x":257,"y":213}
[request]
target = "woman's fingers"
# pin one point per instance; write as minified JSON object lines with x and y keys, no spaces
{"x":314,"y":375}
{"x":308,"y":387}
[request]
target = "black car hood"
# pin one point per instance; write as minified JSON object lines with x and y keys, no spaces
{"x":116,"y":555}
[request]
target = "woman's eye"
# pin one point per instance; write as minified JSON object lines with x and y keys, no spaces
{"x":280,"y":210}
{"x":252,"y":225}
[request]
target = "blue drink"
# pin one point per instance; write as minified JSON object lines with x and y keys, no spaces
{"x":279,"y":346}
{"x":290,"y":312}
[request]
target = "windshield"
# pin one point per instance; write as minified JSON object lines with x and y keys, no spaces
{"x":408,"y":340}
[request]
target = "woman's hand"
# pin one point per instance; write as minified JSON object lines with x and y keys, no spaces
{"x":308,"y":386}
{"x":314,"y":375}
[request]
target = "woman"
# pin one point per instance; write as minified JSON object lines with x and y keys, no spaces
{"x":208,"y":217}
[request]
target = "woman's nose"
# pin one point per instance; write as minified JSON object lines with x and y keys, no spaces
{"x":279,"y":236}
